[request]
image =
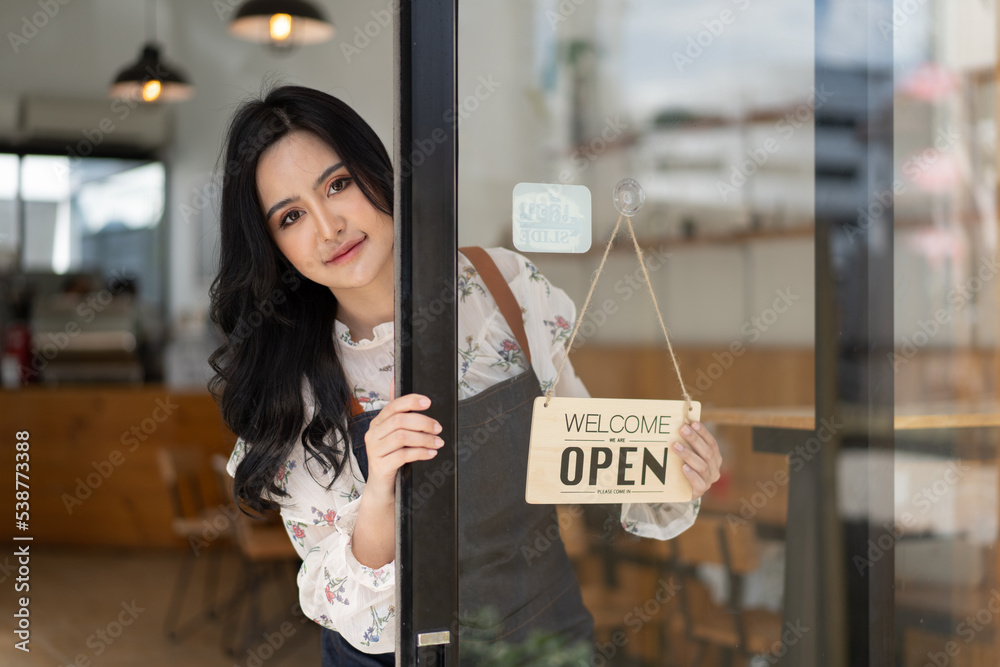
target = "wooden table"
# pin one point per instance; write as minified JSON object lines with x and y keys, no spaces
{"x":910,"y":417}
{"x":783,"y":430}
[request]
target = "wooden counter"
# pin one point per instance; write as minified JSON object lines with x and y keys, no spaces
{"x":93,"y":473}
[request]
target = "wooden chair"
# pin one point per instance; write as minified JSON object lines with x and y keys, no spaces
{"x":266,"y":551}
{"x":713,"y":540}
{"x":201,"y":527}
{"x":617,"y":572}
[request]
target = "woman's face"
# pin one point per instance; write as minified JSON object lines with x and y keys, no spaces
{"x":318,"y":216}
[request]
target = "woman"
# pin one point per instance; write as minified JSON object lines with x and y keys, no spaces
{"x":304,"y":296}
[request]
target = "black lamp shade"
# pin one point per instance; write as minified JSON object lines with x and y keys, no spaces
{"x":252,"y":22}
{"x":150,"y":68}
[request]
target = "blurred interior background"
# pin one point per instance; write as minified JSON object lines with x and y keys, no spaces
{"x":108,"y":240}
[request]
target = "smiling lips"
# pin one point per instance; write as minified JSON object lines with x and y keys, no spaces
{"x":346,"y":251}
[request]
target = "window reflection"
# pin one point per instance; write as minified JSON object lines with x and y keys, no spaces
{"x":944,"y":524}
{"x":712,"y":108}
{"x":719,"y":110}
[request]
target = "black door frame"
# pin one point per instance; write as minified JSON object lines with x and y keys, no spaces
{"x":426,"y":321}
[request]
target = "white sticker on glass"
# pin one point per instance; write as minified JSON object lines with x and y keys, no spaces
{"x":551,"y":217}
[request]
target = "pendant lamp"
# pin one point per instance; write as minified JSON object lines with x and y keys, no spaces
{"x":149,"y":79}
{"x":281,"y":24}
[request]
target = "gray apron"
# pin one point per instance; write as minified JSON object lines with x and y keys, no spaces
{"x":514,"y":578}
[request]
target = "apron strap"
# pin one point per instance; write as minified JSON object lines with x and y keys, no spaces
{"x":498,"y":287}
{"x":505,"y":300}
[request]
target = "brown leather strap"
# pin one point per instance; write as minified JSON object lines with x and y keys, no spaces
{"x":505,"y":300}
{"x":498,"y":287}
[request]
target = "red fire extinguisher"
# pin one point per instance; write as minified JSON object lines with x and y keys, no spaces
{"x":17,"y":350}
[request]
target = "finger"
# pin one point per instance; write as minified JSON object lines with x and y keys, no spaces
{"x":396,"y":459}
{"x":698,"y":485}
{"x":406,"y":421}
{"x":406,"y":403}
{"x":392,"y":388}
{"x":713,"y":444}
{"x":692,"y":459}
{"x":416,"y":439}
{"x":382,"y":446}
{"x":701,"y":441}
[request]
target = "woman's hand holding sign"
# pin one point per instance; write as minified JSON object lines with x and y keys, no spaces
{"x":702,"y":459}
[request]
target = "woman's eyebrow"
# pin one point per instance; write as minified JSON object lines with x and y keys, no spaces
{"x":327,"y":172}
{"x":319,"y":181}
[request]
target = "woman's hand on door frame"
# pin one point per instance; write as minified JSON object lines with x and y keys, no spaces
{"x":399,"y":434}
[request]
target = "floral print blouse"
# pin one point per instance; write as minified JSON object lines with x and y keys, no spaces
{"x":337,"y":591}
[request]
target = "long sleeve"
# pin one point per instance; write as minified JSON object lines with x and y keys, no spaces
{"x":335,"y":590}
{"x":549,"y":321}
{"x":340,"y":593}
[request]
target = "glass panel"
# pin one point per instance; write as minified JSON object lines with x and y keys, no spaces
{"x":95,"y":214}
{"x":720,"y":133}
{"x":944,"y":527}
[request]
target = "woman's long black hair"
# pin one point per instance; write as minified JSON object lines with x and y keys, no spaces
{"x":279,"y":325}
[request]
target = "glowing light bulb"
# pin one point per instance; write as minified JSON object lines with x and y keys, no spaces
{"x":151,"y":90}
{"x":281,"y":27}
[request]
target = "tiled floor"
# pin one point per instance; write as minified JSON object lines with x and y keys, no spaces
{"x":106,"y":607}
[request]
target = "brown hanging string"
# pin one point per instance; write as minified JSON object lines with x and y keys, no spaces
{"x":645,"y":273}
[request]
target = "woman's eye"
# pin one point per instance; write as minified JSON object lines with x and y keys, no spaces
{"x":289,"y":218}
{"x":339,"y":185}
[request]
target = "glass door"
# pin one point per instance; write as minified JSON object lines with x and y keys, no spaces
{"x":819,"y":231}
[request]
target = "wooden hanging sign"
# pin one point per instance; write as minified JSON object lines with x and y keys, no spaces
{"x":606,"y":450}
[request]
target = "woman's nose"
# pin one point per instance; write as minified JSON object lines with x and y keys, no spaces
{"x":328,"y":225}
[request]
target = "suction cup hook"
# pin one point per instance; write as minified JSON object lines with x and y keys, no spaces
{"x":629,"y":197}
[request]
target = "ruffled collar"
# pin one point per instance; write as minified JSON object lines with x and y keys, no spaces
{"x":382,"y":332}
